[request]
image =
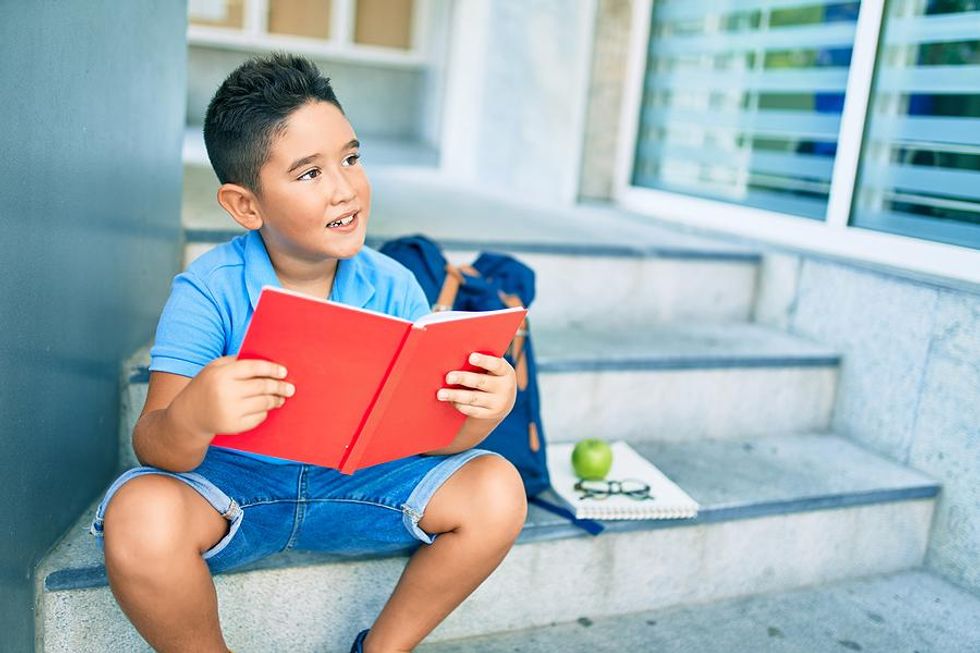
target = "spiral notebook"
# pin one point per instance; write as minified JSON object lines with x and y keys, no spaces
{"x":668,"y":500}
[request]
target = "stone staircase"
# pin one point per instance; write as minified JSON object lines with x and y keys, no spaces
{"x":910,"y":611}
{"x":643,"y":333}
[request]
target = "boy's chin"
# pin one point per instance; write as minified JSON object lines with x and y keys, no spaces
{"x":347,"y":249}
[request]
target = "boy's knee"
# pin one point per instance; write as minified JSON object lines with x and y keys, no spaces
{"x":144,"y":520}
{"x":502,"y":498}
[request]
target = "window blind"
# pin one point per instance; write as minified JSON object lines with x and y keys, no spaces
{"x":920,"y":168}
{"x":742,"y":100}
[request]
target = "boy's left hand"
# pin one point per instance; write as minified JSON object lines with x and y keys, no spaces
{"x":494,"y":391}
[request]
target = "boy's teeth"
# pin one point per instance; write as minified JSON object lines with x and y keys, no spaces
{"x":344,"y":221}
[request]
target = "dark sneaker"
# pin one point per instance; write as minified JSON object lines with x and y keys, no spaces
{"x":358,"y":646}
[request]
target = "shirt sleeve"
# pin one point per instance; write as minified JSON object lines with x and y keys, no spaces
{"x":416,"y":303}
{"x":190,"y":333}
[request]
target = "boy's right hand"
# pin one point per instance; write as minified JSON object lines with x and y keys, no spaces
{"x":230,"y":396}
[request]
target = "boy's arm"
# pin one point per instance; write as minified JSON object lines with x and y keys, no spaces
{"x":181,"y":415}
{"x":490,"y":401}
{"x":158,"y":440}
{"x":473,"y":432}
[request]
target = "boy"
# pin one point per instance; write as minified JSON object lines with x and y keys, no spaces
{"x":287,"y":160}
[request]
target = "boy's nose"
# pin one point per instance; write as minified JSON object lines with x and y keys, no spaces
{"x":342,"y":190}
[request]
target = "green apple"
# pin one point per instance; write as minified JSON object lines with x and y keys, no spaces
{"x":592,"y":459}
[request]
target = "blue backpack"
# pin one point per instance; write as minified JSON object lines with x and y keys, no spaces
{"x":492,"y":282}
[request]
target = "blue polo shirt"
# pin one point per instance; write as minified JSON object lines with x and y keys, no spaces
{"x":211,"y":303}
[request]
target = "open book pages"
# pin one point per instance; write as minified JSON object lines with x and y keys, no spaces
{"x":445,"y":316}
{"x":668,"y":500}
{"x":435,"y":317}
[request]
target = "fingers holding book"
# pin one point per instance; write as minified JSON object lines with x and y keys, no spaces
{"x":252,"y":367}
{"x":231,"y":395}
{"x":493,"y":392}
{"x":267,"y":387}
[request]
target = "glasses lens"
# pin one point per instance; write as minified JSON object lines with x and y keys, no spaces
{"x":592,"y":489}
{"x":631,"y":486}
{"x":636,"y":489}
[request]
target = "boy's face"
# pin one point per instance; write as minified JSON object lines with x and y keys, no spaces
{"x":312,"y":178}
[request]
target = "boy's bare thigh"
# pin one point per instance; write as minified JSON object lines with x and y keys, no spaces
{"x":168,"y":507}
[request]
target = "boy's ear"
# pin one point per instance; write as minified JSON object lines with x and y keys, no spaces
{"x":241,"y":205}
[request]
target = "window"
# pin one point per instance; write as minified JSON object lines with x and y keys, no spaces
{"x":742,"y":101}
{"x":920,"y":170}
{"x":843,"y":127}
{"x":307,"y":18}
{"x":216,"y":13}
{"x":386,"y":23}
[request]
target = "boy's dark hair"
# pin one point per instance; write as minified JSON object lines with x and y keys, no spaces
{"x":250,"y":108}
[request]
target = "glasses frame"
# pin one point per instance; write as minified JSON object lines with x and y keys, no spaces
{"x":614,"y":487}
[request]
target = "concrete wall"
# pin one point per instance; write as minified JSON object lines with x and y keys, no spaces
{"x":516,"y":96}
{"x":607,"y":80}
{"x":91,"y":119}
{"x":910,"y":380}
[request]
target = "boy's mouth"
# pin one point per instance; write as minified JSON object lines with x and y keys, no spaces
{"x":346,"y":223}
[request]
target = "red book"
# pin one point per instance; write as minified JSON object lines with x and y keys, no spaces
{"x":366,"y":382}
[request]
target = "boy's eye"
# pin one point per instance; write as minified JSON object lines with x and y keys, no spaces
{"x":349,"y":160}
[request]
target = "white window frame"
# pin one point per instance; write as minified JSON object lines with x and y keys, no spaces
{"x":340,"y":46}
{"x":833,"y":236}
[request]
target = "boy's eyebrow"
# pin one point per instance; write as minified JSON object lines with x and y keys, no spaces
{"x":312,"y":157}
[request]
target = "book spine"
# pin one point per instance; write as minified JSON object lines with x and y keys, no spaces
{"x":372,"y":416}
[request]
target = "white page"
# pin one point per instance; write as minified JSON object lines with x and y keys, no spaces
{"x":448,"y":316}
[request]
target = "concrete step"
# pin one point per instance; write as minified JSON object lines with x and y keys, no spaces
{"x":681,"y":381}
{"x":590,"y":262}
{"x":678,"y":381}
{"x":777,"y":513}
{"x":912,"y":611}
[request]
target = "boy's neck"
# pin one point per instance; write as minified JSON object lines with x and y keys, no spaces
{"x":311,"y":277}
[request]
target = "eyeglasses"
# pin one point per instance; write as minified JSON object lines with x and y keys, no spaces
{"x":600,"y":490}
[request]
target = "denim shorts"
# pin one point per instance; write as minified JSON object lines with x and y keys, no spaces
{"x":275,"y":507}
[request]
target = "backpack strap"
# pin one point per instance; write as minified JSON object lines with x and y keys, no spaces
{"x":591,"y":526}
{"x":447,"y":297}
{"x":517,"y":346}
{"x":517,"y":351}
{"x":450,"y":288}
{"x":532,"y":437}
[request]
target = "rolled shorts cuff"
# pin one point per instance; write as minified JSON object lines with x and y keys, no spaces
{"x":414,"y":507}
{"x":225,"y":505}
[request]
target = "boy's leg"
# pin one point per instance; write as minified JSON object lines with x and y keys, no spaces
{"x":478,"y":514}
{"x":156,"y":529}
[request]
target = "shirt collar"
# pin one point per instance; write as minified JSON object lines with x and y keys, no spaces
{"x":351,"y":284}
